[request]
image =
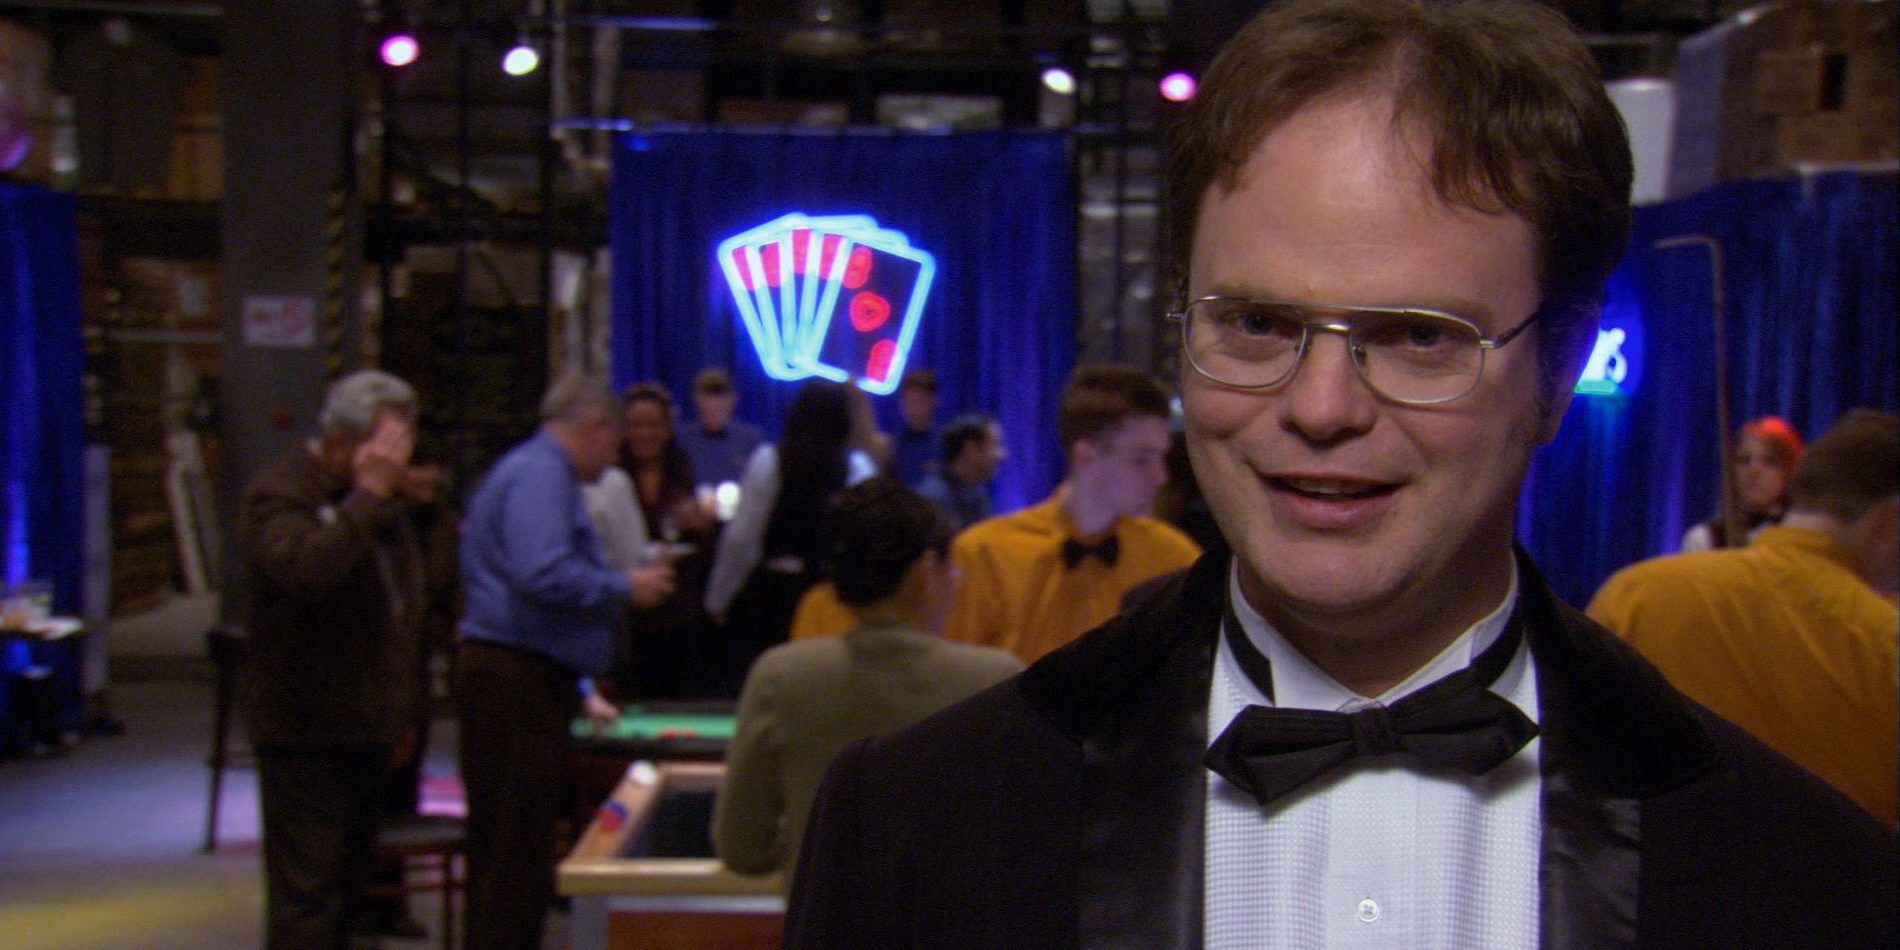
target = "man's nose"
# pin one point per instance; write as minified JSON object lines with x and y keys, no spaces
{"x":1327,"y":399}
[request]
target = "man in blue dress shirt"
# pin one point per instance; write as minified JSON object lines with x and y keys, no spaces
{"x":960,"y":487}
{"x":914,"y":448}
{"x":718,"y":444}
{"x":542,"y":605}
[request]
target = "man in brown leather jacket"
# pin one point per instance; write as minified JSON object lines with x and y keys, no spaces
{"x":336,"y":600}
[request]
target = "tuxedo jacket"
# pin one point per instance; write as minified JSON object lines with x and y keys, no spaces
{"x":1064,"y":807}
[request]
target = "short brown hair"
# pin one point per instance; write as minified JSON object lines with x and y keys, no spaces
{"x":1511,"y":99}
{"x":1099,"y":397}
{"x":713,"y":380}
{"x":1851,"y":467}
{"x":921,"y":379}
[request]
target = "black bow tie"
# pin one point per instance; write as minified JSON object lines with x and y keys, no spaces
{"x":1108,"y":550}
{"x":1455,"y":723}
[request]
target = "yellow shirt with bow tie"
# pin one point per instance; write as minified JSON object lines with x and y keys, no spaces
{"x":1018,"y":594}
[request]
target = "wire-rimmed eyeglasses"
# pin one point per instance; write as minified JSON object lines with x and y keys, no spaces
{"x":1409,"y":355}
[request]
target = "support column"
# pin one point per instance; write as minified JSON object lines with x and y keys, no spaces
{"x":292,"y":232}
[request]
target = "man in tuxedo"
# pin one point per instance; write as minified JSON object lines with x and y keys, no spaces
{"x":1369,"y":722}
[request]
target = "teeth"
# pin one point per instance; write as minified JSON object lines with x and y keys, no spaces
{"x":1316,"y":487}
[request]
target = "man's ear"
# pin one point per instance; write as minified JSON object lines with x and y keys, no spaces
{"x":1883,"y":520}
{"x":1083,"y":454}
{"x":1561,"y":368}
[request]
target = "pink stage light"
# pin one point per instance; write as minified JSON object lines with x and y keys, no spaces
{"x":1178,"y":87}
{"x":400,"y":49}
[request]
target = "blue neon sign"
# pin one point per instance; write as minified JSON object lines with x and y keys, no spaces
{"x":833,"y":296}
{"x":1609,"y":365}
{"x":1616,"y":361}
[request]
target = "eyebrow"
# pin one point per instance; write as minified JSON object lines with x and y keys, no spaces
{"x":1464,"y":307}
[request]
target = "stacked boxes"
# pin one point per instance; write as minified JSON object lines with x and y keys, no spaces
{"x":197,"y":152}
{"x":1784,"y":84}
{"x":24,"y":58}
{"x":162,"y":328}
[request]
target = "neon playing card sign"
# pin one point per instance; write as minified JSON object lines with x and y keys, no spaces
{"x":833,"y":296}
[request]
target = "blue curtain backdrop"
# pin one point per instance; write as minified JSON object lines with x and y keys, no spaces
{"x":42,"y":415}
{"x":996,"y":209}
{"x":1810,"y":287}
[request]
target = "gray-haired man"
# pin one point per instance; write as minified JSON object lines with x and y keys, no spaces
{"x":542,"y":606}
{"x":335,"y":584}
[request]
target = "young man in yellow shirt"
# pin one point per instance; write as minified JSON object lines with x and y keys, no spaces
{"x":1787,"y":637}
{"x":1038,"y":578}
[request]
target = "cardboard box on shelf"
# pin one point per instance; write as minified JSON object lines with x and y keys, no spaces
{"x":24,"y":57}
{"x":1872,"y":82}
{"x":1788,"y":81}
{"x":1824,"y":79}
{"x":1835,"y":137}
{"x":200,"y":96}
{"x":170,"y":294}
{"x":1852,"y":25}
{"x":197,"y":159}
{"x":1780,"y":84}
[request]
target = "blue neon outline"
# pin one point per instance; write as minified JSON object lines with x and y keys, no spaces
{"x":763,"y":329}
{"x":1588,"y":385}
{"x":907,"y":331}
{"x":742,"y":298}
{"x":808,"y":283}
{"x":788,"y":332}
{"x":787,"y":299}
{"x":813,"y":341}
{"x":773,"y":353}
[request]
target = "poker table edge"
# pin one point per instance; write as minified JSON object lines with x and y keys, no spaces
{"x":594,"y":865}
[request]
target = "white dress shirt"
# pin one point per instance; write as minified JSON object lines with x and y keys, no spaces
{"x":618,"y":522}
{"x":742,"y":542}
{"x":1382,"y":853}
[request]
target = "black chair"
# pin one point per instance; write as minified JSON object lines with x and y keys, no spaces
{"x":226,"y":647}
{"x":32,"y":714}
{"x":435,"y":842}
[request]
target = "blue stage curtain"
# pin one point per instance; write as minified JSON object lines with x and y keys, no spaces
{"x":1810,"y":287}
{"x":42,"y":413}
{"x":996,"y":209}
{"x":42,"y":420}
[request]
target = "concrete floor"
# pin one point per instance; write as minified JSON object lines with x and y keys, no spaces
{"x":100,"y":846}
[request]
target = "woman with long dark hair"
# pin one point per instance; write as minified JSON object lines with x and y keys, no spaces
{"x":769,"y":553}
{"x":663,"y":650}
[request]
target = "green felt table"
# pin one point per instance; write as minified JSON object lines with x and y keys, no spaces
{"x":699,"y":731}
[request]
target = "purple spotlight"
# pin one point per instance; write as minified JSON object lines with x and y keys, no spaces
{"x":400,"y":49}
{"x":1178,"y":87}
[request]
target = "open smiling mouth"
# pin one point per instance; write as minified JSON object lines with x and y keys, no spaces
{"x":1332,"y":490}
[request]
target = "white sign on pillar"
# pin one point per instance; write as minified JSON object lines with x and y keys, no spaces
{"x":281,"y":322}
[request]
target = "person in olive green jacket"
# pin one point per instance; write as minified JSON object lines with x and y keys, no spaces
{"x":805,"y":700}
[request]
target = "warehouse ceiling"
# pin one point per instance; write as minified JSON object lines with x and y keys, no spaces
{"x":454,"y":116}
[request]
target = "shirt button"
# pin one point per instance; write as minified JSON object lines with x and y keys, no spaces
{"x":1368,"y":910}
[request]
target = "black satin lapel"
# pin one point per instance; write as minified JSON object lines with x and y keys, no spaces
{"x":1133,"y":697}
{"x":1140,"y":879}
{"x":1589,"y":869}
